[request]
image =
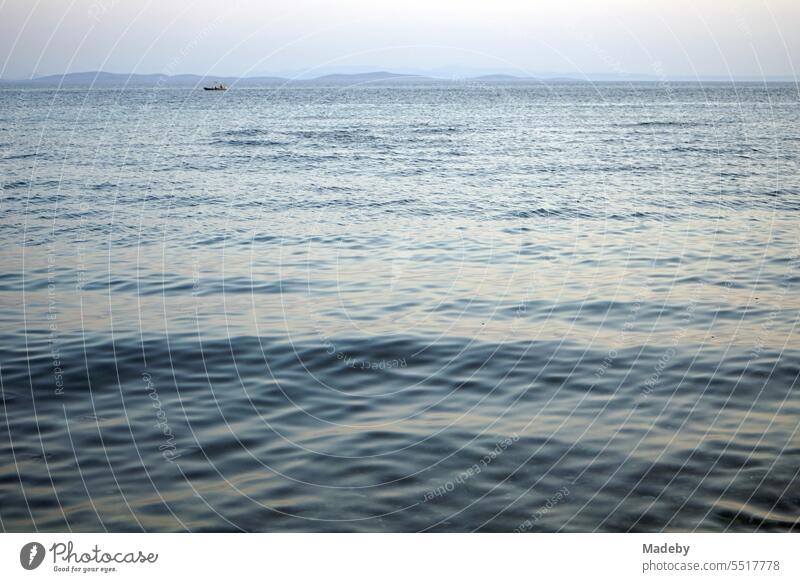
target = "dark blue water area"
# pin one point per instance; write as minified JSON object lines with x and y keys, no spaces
{"x":265,"y":435}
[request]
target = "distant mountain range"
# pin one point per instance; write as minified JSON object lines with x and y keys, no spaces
{"x":104,"y":79}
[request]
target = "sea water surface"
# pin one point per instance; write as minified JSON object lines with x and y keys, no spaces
{"x":400,"y":308}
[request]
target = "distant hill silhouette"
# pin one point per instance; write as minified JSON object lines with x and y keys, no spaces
{"x":105,"y":79}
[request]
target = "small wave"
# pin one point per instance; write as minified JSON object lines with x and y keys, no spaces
{"x":355,"y":135}
{"x":239,"y":142}
{"x":550,"y":213}
{"x":20,"y":156}
{"x":238,"y":133}
{"x":434,"y":130}
{"x":661,"y":123}
{"x":247,"y":137}
{"x":16,"y":185}
{"x":350,"y":203}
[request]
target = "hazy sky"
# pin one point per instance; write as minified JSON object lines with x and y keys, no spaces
{"x":233,"y":37}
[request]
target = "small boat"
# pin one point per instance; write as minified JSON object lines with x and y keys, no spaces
{"x":216,"y":87}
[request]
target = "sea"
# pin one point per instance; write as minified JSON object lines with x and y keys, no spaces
{"x":453,"y":307}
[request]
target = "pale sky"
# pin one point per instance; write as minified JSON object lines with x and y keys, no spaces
{"x":236,"y":37}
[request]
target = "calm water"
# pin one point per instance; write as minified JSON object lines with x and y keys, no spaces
{"x":497,"y":308}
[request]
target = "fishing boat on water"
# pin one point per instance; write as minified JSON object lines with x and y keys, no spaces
{"x":216,"y":87}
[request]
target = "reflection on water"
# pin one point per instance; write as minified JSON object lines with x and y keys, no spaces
{"x":494,"y":308}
